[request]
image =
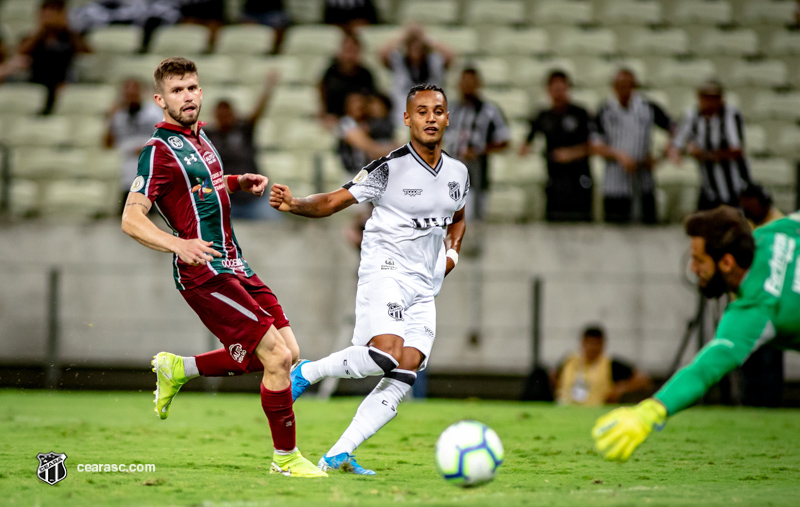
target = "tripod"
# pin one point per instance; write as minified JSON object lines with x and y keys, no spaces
{"x":695,"y":325}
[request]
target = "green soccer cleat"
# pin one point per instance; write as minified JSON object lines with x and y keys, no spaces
{"x":169,"y":379}
{"x":294,"y":465}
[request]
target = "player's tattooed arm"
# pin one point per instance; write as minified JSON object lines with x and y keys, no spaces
{"x":313,"y":206}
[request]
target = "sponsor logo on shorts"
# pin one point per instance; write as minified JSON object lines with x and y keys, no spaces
{"x":51,"y":467}
{"x":209,"y":157}
{"x":176,"y":142}
{"x":138,"y":184}
{"x":455,"y":190}
{"x":430,"y":332}
{"x":395,"y":311}
{"x":388,"y":264}
{"x":412,"y":192}
{"x":233,"y":264}
{"x":237,"y":352}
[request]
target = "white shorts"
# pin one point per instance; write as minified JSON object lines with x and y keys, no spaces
{"x":398,"y":306}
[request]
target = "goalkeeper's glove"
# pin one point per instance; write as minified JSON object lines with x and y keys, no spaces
{"x":618,"y":433}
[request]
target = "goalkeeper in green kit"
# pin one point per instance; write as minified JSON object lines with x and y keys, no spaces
{"x":761,"y":269}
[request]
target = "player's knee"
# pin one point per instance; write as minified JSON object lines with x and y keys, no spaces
{"x":294,"y":350}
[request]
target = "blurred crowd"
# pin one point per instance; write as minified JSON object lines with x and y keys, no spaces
{"x":367,"y":121}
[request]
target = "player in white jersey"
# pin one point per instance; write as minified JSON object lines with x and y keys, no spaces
{"x":410,"y":243}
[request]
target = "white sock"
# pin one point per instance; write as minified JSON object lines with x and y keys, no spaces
{"x":352,"y":362}
{"x":190,"y":367}
{"x":377,"y":409}
{"x":285,"y":453}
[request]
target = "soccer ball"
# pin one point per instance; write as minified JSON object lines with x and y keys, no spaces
{"x":468,"y":453}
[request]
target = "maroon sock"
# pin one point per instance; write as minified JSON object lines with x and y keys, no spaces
{"x":218,"y":363}
{"x":277,"y":406}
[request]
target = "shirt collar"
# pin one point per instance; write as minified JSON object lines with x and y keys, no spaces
{"x":179,"y":128}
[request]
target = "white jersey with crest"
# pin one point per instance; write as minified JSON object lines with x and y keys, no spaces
{"x":414,"y":204}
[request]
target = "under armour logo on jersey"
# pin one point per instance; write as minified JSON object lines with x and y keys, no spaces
{"x":455,"y":190}
{"x":395,"y":311}
{"x":191,"y":158}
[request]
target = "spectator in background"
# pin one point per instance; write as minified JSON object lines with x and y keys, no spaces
{"x":51,"y":48}
{"x":131,"y":123}
{"x":566,"y":130}
{"x":207,"y":13}
{"x":350,"y":14}
{"x":713,"y":133}
{"x":414,"y":58}
{"x":477,"y":129}
{"x":357,"y":147}
{"x":589,"y":377}
{"x":379,"y":109}
{"x":762,"y":373}
{"x":271,"y":13}
{"x":234,"y":139}
{"x":623,"y":131}
{"x":346,"y":75}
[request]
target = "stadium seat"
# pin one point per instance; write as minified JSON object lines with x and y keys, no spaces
{"x":493,"y":70}
{"x":462,"y":40}
{"x":286,"y":167}
{"x":375,"y":36}
{"x":715,"y":42}
{"x":630,"y":12}
{"x":19,"y":11}
{"x":647,"y":42}
{"x":253,"y":70}
{"x":755,"y":139}
{"x":268,"y":134}
{"x":788,"y":142}
{"x":700,"y":12}
{"x":774,"y":12}
{"x":586,"y":98}
{"x":774,"y":172}
{"x":115,"y":39}
{"x":509,"y":169}
{"x":312,"y":40}
{"x":216,"y":70}
{"x":102,"y":164}
{"x":514,"y":103}
{"x":558,"y":12}
{"x":85,"y":99}
{"x":306,"y":135}
{"x":599,"y":72}
{"x":333,"y":172}
{"x":785,"y":42}
{"x":494,"y":12}
{"x":684,"y":72}
{"x":25,"y":197}
{"x":502,"y":41}
{"x":247,"y":39}
{"x":294,"y":101}
{"x":577,"y":41}
{"x":313,"y":67}
{"x":680,"y":184}
{"x":22,"y":98}
{"x":180,"y":39}
{"x":505,"y":204}
{"x":77,"y":199}
{"x":532,"y":72}
{"x":40,"y":131}
{"x":242,"y":98}
{"x":757,"y":73}
{"x":47,"y":163}
{"x":780,"y":106}
{"x":87,"y":131}
{"x":138,"y":66}
{"x":429,"y":12}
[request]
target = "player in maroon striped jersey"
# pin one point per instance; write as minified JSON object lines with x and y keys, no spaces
{"x":181,"y":173}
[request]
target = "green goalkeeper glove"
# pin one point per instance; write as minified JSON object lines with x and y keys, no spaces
{"x":618,"y":433}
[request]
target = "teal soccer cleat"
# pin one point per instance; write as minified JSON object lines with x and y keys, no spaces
{"x":299,"y":382}
{"x":343,"y":462}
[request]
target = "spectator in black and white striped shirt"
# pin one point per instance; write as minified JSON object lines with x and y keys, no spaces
{"x":713,"y":133}
{"x":622,"y":137}
{"x":477,"y":129}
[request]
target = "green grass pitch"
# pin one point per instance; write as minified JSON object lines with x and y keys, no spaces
{"x":214,"y":450}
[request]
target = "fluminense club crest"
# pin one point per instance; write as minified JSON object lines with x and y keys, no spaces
{"x":455,"y":190}
{"x":51,"y":467}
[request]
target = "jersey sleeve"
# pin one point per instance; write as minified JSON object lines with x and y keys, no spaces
{"x":464,"y":197}
{"x":660,"y":118}
{"x":370,"y":183}
{"x":154,"y":175}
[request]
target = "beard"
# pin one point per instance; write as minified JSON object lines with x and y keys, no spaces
{"x":182,"y":118}
{"x":715,"y":287}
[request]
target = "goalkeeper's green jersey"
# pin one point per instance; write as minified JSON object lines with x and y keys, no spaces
{"x":767,"y":309}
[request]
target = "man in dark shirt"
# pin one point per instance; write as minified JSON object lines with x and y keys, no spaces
{"x":346,"y":75}
{"x":566,"y":130}
{"x":233,"y":139}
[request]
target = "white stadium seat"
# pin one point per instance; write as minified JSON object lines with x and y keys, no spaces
{"x":294,"y":101}
{"x":785,"y":42}
{"x":779,"y":106}
{"x":715,"y":42}
{"x":242,"y":98}
{"x":493,"y":70}
{"x":47,"y":163}
{"x":25,"y":197}
{"x":87,"y":131}
{"x":429,"y":12}
{"x":513,"y":103}
{"x":773,"y":12}
{"x":577,"y":41}
{"x":285,"y":167}
{"x":138,"y":66}
{"x":766,"y":73}
{"x":180,"y":39}
{"x":704,"y":12}
{"x":216,"y":69}
{"x":248,"y":39}
{"x":788,"y":142}
{"x":312,"y":40}
{"x":661,"y":42}
{"x":115,"y":39}
{"x":462,"y":40}
{"x":253,"y":70}
{"x":630,"y":12}
{"x":77,"y":199}
{"x":772,"y":171}
{"x":306,"y":135}
{"x":506,"y":203}
{"x":532,"y":72}
{"x":599,"y":72}
{"x":755,"y":139}
{"x":502,"y":41}
{"x":670,"y":71}
{"x":22,"y":98}
{"x":375,"y":36}
{"x":559,"y":12}
{"x":494,"y":12}
{"x":40,"y":131}
{"x":85,"y":99}
{"x":103,"y":164}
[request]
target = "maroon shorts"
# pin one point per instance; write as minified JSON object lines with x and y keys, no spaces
{"x":238,"y":310}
